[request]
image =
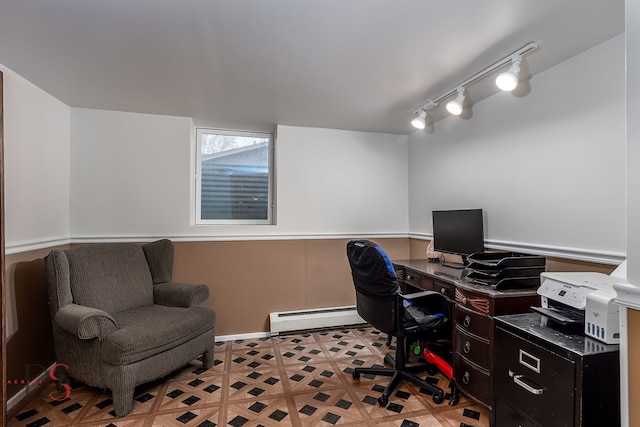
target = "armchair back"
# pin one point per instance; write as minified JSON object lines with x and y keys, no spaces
{"x":110,"y":277}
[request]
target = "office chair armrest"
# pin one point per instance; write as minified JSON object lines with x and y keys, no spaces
{"x":85,"y":322}
{"x":417,"y":295}
{"x":180,"y":294}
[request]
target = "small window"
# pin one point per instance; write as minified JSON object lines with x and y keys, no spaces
{"x":234,"y":177}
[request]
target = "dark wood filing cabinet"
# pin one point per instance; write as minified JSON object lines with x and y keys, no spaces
{"x":474,"y":308}
{"x":546,"y":376}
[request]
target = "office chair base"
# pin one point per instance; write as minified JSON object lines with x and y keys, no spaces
{"x":397,"y":376}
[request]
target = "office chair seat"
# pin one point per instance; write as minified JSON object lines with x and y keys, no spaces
{"x":380,"y":303}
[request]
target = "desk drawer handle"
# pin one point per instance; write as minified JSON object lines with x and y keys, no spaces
{"x":466,"y":378}
{"x":467,"y":347}
{"x":526,"y":383}
{"x":409,"y":277}
{"x":467,"y":321}
{"x":443,"y":290}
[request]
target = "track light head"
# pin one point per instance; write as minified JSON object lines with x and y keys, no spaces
{"x":455,"y":106}
{"x":419,"y":122}
{"x":508,"y":80}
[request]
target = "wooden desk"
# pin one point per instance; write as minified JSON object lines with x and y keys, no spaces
{"x":473,"y":325}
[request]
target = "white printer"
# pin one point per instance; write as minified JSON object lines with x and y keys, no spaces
{"x":576,"y":298}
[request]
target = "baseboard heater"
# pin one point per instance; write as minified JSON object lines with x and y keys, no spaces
{"x":315,"y":318}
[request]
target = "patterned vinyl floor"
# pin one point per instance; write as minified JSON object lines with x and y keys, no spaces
{"x":292,"y":380}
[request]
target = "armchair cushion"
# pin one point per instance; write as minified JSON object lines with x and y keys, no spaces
{"x":149,"y":330}
{"x":180,"y":294}
{"x":85,"y":322}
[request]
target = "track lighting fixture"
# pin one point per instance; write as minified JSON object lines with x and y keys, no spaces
{"x":455,"y":106}
{"x":419,"y":122}
{"x":508,"y":80}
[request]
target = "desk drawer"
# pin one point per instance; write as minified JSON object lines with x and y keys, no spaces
{"x":476,"y":349}
{"x":472,"y":379}
{"x":446,"y":289}
{"x":418,"y":280}
{"x":473,"y":322}
{"x":473,"y":301}
{"x":534,"y":380}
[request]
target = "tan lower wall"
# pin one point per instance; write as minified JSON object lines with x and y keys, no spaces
{"x":247,"y":281}
{"x":30,"y":343}
{"x":633,"y":321}
{"x":250,"y":279}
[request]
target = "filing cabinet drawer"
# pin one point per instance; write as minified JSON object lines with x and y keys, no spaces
{"x":507,"y":416}
{"x":529,"y":376}
{"x":473,"y":322}
{"x":474,"y":348}
{"x":473,"y":379}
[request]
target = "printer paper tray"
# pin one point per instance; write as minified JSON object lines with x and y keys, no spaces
{"x":564,"y":317}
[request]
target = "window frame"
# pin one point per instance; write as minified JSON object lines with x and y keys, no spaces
{"x":198,"y":220}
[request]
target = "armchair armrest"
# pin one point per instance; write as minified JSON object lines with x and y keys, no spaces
{"x":179,"y":294}
{"x":85,"y":322}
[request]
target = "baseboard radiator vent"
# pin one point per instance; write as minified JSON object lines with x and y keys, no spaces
{"x":315,"y":318}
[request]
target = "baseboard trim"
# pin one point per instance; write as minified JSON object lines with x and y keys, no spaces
{"x":247,"y":336}
{"x":24,"y":393}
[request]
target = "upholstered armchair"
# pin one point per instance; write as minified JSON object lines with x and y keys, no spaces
{"x":120,"y":321}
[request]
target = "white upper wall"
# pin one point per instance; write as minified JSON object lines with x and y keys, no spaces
{"x":341,"y":182}
{"x":36,"y":165}
{"x":548,"y":167}
{"x":131,"y":173}
{"x":546,"y":174}
{"x":633,"y":142}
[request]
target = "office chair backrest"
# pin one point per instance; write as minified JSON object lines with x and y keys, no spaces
{"x":375,"y":283}
{"x":371,"y":269}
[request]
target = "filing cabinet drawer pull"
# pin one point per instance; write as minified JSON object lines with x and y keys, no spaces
{"x":526,"y":383}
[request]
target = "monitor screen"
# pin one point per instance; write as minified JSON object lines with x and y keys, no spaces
{"x":458,"y":232}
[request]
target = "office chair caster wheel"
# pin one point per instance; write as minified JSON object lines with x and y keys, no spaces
{"x":383,"y":400}
{"x":438,"y":397}
{"x":355,"y":375}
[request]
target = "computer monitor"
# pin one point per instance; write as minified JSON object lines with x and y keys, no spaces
{"x":459,"y":232}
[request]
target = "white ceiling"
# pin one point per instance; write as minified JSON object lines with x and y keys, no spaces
{"x":249,"y":64}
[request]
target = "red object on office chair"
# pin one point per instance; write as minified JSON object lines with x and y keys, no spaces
{"x":442,"y":365}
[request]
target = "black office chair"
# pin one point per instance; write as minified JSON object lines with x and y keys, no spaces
{"x":421,"y":316}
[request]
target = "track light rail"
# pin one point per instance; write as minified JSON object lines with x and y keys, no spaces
{"x":433,"y":102}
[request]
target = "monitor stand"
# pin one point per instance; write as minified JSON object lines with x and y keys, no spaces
{"x":455,"y":265}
